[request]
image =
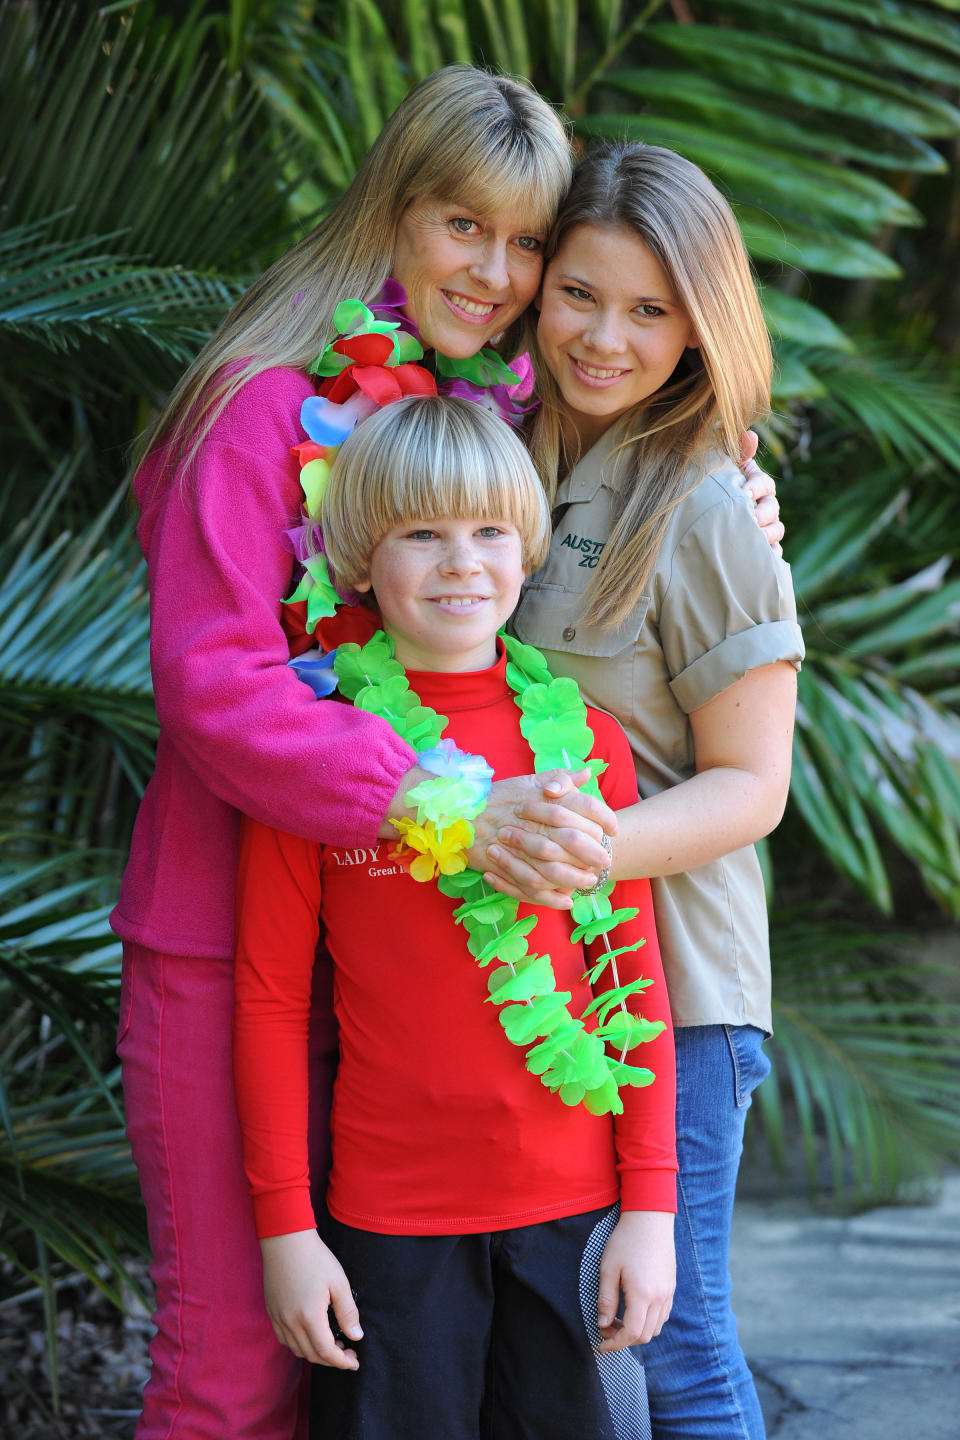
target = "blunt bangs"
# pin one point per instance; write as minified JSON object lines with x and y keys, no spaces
{"x":512,"y":181}
{"x":423,"y":459}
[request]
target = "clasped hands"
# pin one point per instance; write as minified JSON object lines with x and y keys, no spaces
{"x":539,"y":838}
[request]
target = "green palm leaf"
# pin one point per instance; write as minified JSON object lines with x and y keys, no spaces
{"x":768,"y":65}
{"x":863,"y":1056}
{"x":60,"y":293}
{"x":99,"y":103}
{"x":65,"y":1171}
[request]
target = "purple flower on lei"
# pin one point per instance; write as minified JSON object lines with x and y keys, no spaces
{"x":306,"y":541}
{"x":503,"y":400}
{"x":389,"y":306}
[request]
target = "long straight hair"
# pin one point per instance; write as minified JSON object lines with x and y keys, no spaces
{"x":716,"y":391}
{"x":462,"y":133}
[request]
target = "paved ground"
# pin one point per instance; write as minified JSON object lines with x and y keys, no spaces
{"x":852,"y":1326}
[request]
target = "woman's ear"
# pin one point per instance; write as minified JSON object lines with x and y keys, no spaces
{"x":362,"y":586}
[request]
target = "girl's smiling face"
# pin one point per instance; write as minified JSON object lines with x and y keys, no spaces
{"x":611,"y":329}
{"x":444,"y":587}
{"x":467,"y":275}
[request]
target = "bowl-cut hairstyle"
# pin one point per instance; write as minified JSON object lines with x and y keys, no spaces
{"x":428,"y":458}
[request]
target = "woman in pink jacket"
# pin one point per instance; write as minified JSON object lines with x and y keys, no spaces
{"x":454,"y":201}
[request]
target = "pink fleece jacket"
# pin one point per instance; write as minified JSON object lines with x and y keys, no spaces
{"x":238,"y":730}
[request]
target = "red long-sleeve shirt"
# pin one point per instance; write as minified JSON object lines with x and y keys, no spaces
{"x":437,"y":1125}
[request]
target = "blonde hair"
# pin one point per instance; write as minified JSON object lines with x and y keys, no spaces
{"x":428,"y":458}
{"x":716,"y":391}
{"x":486,"y":140}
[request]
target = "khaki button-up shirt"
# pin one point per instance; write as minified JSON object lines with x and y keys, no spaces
{"x":719,"y":603}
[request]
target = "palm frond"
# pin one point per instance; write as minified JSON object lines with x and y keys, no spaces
{"x":75,"y":691}
{"x":877,"y":757}
{"x":58,"y":294}
{"x":66,"y":1176}
{"x":864,"y":1058}
{"x":907,"y":405}
{"x":93,"y":129}
{"x":73,"y":634}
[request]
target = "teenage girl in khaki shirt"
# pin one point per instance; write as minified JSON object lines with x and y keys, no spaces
{"x":662,"y":599}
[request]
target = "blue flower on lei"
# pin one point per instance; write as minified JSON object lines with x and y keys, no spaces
{"x":316,"y":670}
{"x":445,"y":759}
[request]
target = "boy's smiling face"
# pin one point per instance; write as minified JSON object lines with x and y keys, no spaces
{"x":444,"y":588}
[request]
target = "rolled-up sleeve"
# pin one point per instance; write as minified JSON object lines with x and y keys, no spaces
{"x":728,"y":606}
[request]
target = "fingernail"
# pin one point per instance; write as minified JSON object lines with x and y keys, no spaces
{"x":554,"y":788}
{"x":354,"y":1332}
{"x":494,"y":852}
{"x":603,"y":1320}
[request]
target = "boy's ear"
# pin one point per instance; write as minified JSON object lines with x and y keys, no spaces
{"x":362,"y":586}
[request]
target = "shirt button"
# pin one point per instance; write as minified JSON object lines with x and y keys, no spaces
{"x":569,"y":633}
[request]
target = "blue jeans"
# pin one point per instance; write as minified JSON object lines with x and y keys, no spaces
{"x":697,"y":1378}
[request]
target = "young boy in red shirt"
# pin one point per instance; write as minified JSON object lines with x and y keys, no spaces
{"x":489,"y":1225}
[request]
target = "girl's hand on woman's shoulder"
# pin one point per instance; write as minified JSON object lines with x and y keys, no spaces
{"x":762,"y":490}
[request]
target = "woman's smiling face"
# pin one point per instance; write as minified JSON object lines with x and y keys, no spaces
{"x":611,"y":329}
{"x":467,"y":275}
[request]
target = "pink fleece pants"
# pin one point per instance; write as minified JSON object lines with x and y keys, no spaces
{"x":218,"y":1372}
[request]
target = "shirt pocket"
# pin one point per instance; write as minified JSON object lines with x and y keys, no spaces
{"x":605,"y":660}
{"x":550,"y":617}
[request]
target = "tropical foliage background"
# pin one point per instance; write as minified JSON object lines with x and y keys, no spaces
{"x":153,"y":157}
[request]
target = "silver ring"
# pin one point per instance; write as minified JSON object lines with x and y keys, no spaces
{"x":602,"y":878}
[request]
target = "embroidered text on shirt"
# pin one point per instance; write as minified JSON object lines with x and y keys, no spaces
{"x":592,"y":550}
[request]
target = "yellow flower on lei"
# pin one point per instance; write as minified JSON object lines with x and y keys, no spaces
{"x":439,"y":850}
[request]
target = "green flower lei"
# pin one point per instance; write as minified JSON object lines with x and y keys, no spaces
{"x":568,"y":1058}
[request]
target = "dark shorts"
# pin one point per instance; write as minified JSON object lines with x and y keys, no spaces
{"x":480,"y":1337}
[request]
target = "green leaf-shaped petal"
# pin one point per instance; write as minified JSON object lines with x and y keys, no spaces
{"x":485,"y":368}
{"x":511,"y":944}
{"x":525,"y":664}
{"x":635,"y":1075}
{"x":602,"y":925}
{"x":544,"y":1013}
{"x":627,"y":1030}
{"x":533,"y":977}
{"x":351,"y":316}
{"x":592,"y":907}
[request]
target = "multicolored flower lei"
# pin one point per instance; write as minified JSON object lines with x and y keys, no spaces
{"x":568,"y":1058}
{"x":372,"y":363}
